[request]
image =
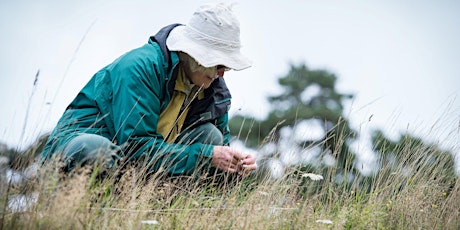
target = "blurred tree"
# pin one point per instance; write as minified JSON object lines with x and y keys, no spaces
{"x":308,"y":96}
{"x":9,"y":153}
{"x":20,"y":159}
{"x":412,"y":155}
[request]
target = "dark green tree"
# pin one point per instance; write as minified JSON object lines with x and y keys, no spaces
{"x":20,"y":159}
{"x":412,"y":154}
{"x":307,"y":95}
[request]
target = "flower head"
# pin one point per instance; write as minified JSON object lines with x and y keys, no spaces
{"x":313,"y":176}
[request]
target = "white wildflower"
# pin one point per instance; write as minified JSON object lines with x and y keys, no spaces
{"x":152,"y":222}
{"x":313,"y":176}
{"x":324,"y":221}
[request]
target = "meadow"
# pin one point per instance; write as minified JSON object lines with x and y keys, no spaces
{"x":395,"y":198}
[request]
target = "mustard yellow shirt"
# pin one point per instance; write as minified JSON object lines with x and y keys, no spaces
{"x":172,"y":119}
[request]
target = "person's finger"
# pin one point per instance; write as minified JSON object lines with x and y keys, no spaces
{"x":249,"y":160}
{"x":235,"y":161}
{"x":229,"y":159}
{"x":250,"y":167}
{"x":237,"y":166}
{"x":228,"y":167}
{"x":238,"y":155}
{"x":246,"y":170}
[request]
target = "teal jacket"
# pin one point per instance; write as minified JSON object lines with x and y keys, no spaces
{"x":123,"y":102}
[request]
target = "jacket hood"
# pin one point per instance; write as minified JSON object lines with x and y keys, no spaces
{"x":161,"y":37}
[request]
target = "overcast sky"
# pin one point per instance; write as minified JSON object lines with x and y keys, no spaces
{"x":399,"y":58}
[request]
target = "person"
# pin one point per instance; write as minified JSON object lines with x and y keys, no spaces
{"x":165,"y":103}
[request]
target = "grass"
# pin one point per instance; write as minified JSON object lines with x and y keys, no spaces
{"x":424,"y":198}
{"x":413,"y":194}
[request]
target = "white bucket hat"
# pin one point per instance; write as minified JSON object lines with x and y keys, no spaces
{"x":212,"y":37}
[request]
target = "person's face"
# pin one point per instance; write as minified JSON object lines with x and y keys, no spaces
{"x":203,"y":77}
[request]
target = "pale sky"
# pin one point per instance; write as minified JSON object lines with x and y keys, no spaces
{"x":400,"y":58}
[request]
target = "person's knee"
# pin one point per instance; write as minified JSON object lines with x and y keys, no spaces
{"x":212,"y":135}
{"x":206,"y":134}
{"x":88,"y":148}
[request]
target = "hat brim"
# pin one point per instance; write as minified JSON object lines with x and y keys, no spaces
{"x":205,"y":55}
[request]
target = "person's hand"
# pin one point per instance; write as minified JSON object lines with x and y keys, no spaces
{"x":248,"y":164}
{"x":226,"y":159}
{"x":232,"y":161}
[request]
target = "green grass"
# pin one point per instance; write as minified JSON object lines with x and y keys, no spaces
{"x":423,"y":198}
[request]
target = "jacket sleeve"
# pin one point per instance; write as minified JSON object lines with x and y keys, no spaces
{"x":138,"y":85}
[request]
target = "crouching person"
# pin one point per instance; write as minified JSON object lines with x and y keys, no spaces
{"x":166,"y":102}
